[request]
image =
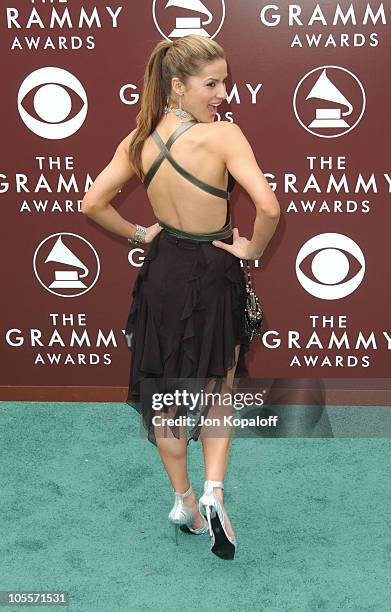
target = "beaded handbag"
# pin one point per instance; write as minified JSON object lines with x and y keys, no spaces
{"x":253,"y":309}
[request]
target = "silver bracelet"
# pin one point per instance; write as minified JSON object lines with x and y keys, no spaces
{"x":139,"y":236}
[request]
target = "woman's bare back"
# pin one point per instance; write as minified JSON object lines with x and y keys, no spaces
{"x":174,"y":199}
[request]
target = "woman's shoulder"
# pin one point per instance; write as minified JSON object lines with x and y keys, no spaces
{"x":218,"y":127}
{"x":218,"y":135}
{"x":225,"y":130}
{"x":228,"y":128}
{"x":224,"y":134}
{"x":128,"y":139}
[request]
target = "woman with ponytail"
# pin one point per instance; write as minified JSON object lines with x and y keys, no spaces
{"x":186,"y":325}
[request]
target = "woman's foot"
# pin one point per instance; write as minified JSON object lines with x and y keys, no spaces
{"x":191,"y":502}
{"x":228,"y":527}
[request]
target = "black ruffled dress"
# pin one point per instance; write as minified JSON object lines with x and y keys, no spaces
{"x":186,"y":316}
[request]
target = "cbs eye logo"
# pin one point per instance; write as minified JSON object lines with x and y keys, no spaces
{"x":330,"y":266}
{"x":52,"y":103}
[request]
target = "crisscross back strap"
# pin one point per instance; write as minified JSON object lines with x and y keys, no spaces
{"x":164,"y":153}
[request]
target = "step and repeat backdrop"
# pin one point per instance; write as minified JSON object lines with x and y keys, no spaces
{"x":308,"y":85}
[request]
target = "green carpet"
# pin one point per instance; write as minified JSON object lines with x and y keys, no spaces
{"x":84,"y":504}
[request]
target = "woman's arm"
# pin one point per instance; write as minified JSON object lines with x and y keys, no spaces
{"x":96,"y":202}
{"x":241,"y":163}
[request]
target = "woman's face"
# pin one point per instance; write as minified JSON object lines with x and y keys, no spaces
{"x":206,"y":89}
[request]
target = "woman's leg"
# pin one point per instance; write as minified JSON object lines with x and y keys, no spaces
{"x":216,"y":442}
{"x":173,"y":453}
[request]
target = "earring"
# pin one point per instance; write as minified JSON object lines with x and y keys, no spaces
{"x":179,"y":112}
{"x":182,"y":113}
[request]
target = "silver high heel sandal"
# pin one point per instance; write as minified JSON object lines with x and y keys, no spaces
{"x":182,"y":516}
{"x":222,"y":545}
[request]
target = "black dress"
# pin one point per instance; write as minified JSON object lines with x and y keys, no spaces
{"x":186,"y":315}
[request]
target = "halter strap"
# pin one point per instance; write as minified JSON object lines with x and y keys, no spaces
{"x":164,"y":153}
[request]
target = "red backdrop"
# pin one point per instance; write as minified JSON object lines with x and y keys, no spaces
{"x":308,"y":86}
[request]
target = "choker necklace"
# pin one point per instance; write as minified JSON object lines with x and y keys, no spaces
{"x":179,"y":112}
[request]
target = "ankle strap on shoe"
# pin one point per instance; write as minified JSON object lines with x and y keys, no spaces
{"x":211,"y":484}
{"x":186,"y":493}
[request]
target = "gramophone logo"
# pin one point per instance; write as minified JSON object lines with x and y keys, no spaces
{"x":330,"y":266}
{"x":329,"y":101}
{"x":66,"y":262}
{"x":47,"y":94}
{"x":176,"y":18}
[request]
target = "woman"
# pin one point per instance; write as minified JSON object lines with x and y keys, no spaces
{"x":186,"y":323}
